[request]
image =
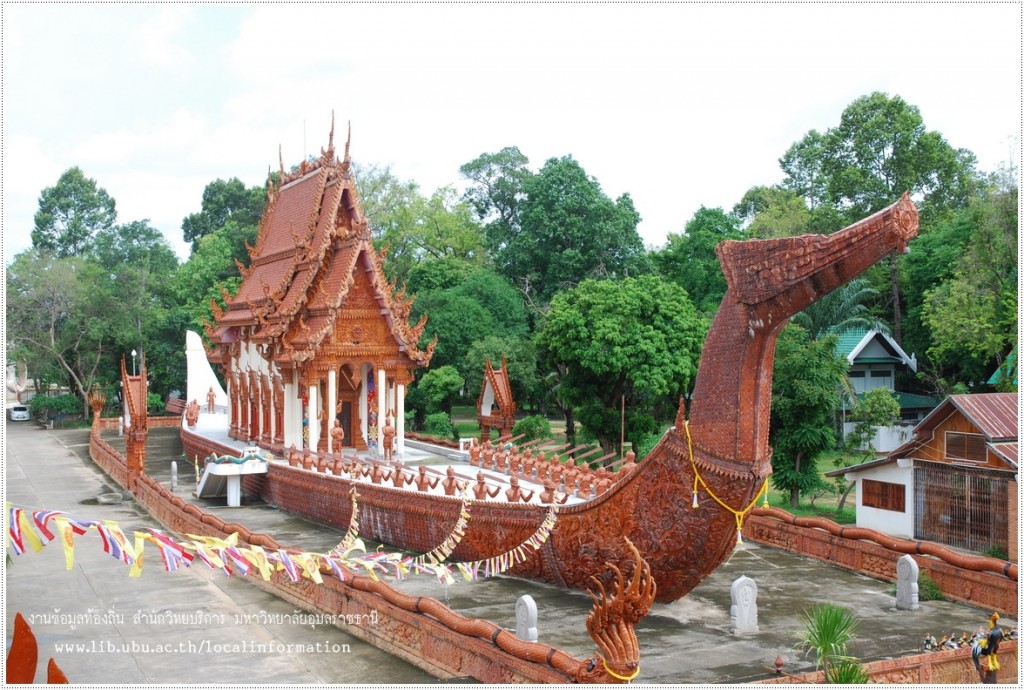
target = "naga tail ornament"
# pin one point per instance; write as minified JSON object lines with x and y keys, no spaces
{"x":611,"y":622}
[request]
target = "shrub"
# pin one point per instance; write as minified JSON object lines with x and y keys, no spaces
{"x":996,"y":552}
{"x":439,"y":425}
{"x":46,"y":406}
{"x":532,"y":427}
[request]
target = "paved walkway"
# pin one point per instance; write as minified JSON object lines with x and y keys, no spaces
{"x":683,"y":642}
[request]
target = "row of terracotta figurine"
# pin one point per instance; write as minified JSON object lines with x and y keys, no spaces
{"x":559,"y":481}
{"x":568,"y":478}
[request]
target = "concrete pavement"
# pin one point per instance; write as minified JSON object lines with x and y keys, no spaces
{"x":683,"y":642}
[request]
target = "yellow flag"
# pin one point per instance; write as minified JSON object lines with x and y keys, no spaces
{"x":67,"y":540}
{"x":29,"y":532}
{"x":140,"y":544}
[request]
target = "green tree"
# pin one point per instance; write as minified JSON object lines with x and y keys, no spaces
{"x":828,"y":630}
{"x":773,"y":212}
{"x":482,"y":304}
{"x":635,"y":337}
{"x":807,"y":380}
{"x":210,"y":268}
{"x":841,"y":310}
{"x":59,"y":311}
{"x":224,"y":201}
{"x":71,"y":213}
{"x":689,"y":259}
{"x":570,"y":231}
{"x":497,"y":188}
{"x":973,"y":316}
{"x":437,"y":275}
{"x":878,"y":407}
{"x":142,"y":267}
{"x":879,"y":149}
{"x":440,"y":388}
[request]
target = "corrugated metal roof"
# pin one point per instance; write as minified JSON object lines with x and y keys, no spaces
{"x":1007,"y":451}
{"x":995,"y":414}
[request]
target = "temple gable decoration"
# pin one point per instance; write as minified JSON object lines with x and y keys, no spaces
{"x":316,"y":333}
{"x":496,"y":408}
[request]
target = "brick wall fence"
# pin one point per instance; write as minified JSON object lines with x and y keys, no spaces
{"x":993,"y":591}
{"x":420,"y":630}
{"x":482,"y":650}
{"x":950,"y":667}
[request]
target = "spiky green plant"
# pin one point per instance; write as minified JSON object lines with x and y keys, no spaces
{"x":827,"y":631}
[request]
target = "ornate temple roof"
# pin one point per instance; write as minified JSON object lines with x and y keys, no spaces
{"x":501,"y":387}
{"x":313,"y":253}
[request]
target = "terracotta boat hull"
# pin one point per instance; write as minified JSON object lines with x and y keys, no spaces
{"x":648,"y":506}
{"x":652,"y":505}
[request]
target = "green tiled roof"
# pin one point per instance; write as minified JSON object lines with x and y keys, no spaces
{"x":849,"y":340}
{"x":908,"y":401}
{"x":912,"y":400}
{"x":1011,"y":367}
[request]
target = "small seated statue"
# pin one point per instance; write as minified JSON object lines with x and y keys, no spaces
{"x":480,"y":489}
{"x":514,"y":494}
{"x":422,"y":481}
{"x":450,"y":484}
{"x":307,"y":459}
{"x":548,"y":494}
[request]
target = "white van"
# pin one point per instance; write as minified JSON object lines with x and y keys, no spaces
{"x":18,"y":413}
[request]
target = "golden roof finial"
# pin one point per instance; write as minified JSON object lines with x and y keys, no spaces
{"x":280,"y":159}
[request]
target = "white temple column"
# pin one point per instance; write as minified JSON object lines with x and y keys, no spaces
{"x":364,"y":413}
{"x":314,"y":423}
{"x":292,"y":413}
{"x":400,"y":421}
{"x":382,"y":399}
{"x":332,"y":404}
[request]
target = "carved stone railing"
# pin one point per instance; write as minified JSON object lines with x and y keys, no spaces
{"x":950,"y":667}
{"x":989,"y":583}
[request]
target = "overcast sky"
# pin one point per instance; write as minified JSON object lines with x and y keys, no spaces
{"x":681,"y":106}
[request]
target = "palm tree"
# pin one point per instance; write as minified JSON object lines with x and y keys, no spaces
{"x":842,"y":310}
{"x":828,"y":629}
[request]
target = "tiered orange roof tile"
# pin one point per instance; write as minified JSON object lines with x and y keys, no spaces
{"x":312,"y":248}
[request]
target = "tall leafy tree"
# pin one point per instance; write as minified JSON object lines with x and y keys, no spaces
{"x":497,"y":188}
{"x":481,"y":304}
{"x":60,"y":309}
{"x":806,"y":387}
{"x":880,"y":149}
{"x":71,"y":213}
{"x":637,"y":338}
{"x":773,"y":212}
{"x":142,"y":267}
{"x":689,"y":259}
{"x":224,"y":202}
{"x":210,"y":268}
{"x":842,"y":310}
{"x":973,"y":317}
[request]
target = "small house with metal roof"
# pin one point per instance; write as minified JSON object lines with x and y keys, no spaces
{"x":954,"y":482}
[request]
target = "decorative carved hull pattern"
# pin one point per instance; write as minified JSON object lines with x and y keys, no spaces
{"x":683,"y":545}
